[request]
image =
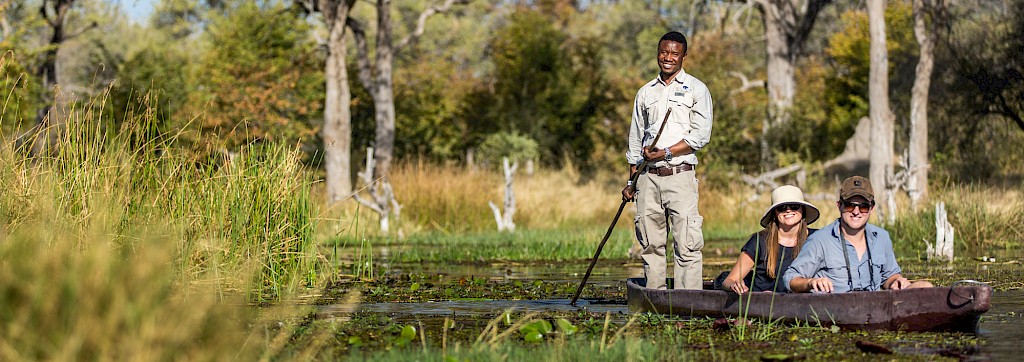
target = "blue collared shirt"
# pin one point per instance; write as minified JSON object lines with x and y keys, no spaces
{"x":822,"y":256}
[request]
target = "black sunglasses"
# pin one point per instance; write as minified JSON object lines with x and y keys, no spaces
{"x":788,"y":207}
{"x":864,"y":207}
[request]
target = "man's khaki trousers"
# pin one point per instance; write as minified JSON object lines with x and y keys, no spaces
{"x":664,"y":199}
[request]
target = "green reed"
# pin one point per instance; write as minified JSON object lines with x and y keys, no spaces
{"x":246,"y":217}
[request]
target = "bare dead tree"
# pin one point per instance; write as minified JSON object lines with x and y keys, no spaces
{"x":767,"y":181}
{"x":505,"y":219}
{"x":382,"y":195}
{"x":745,"y":84}
{"x":942,"y":249}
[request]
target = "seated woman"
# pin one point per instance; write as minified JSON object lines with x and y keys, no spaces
{"x":785,"y":229}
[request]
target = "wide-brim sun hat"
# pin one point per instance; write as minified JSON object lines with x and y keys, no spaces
{"x":789,"y":194}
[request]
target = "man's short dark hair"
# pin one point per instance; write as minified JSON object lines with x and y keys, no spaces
{"x":676,"y":37}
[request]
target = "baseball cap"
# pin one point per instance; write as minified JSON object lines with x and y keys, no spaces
{"x":856,"y":186}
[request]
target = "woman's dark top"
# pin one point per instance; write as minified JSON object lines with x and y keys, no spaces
{"x":757,"y":249}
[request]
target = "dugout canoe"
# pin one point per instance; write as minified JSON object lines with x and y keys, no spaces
{"x":957,"y":308}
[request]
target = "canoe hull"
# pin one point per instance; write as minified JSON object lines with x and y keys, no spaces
{"x":926,"y":309}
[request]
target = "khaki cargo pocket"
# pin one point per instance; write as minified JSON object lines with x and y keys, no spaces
{"x":638,"y":227}
{"x":695,"y":233}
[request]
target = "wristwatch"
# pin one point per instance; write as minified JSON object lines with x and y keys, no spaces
{"x":668,"y":154}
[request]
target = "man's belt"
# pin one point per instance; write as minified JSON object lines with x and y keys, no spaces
{"x":670,"y":170}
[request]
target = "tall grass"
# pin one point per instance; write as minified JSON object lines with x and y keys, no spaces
{"x":70,"y":295}
{"x":561,"y":216}
{"x":257,"y":214}
{"x":984,"y":218}
{"x":114,"y":245}
{"x":247,"y":220}
{"x":453,"y":200}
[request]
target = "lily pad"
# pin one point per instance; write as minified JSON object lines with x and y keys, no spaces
{"x":543,"y":326}
{"x":540,"y":326}
{"x":566,"y":327}
{"x":408,"y":332}
{"x":527,"y":329}
{"x":533,"y":336}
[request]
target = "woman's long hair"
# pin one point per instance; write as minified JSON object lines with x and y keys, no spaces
{"x":773,"y":258}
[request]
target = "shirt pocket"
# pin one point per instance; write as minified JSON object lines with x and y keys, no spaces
{"x":835,"y":269}
{"x":682,"y":105}
{"x":650,"y":109}
{"x":683,"y":100}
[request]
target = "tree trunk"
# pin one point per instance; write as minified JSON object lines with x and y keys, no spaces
{"x":505,"y":220}
{"x":787,"y":23}
{"x":881,"y":115}
{"x":52,"y":115}
{"x":944,"y":238}
{"x":780,"y":62}
{"x":337,"y":128}
{"x":383,"y":93}
{"x":48,"y":69}
{"x":378,"y":77}
{"x":917,"y":182}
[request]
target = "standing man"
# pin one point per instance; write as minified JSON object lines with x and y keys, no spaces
{"x":666,"y":190}
{"x":849,"y":254}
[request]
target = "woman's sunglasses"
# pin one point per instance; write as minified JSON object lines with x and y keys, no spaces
{"x":863,"y":206}
{"x":788,"y":207}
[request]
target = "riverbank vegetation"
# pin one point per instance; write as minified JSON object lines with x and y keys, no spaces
{"x":110,"y":232}
{"x":164,"y":181}
{"x":446,"y":217}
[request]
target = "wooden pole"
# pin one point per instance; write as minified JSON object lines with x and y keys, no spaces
{"x":622,"y":206}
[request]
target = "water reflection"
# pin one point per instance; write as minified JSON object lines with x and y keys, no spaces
{"x":1001,"y":326}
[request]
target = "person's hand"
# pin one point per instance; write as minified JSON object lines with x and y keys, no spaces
{"x":737,"y":287}
{"x":653,"y":155}
{"x":899,"y":283}
{"x":823,"y":285}
{"x":629,"y":193}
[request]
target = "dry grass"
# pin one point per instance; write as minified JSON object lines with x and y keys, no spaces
{"x":71,"y":294}
{"x":453,"y":200}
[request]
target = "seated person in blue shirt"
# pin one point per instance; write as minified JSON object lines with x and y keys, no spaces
{"x":849,"y":254}
{"x":785,"y":229}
